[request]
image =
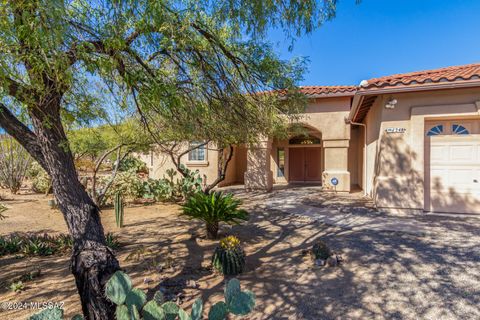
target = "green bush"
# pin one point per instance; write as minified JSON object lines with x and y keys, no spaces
{"x":41,"y":181}
{"x":14,"y":162}
{"x":214,"y":208}
{"x":128,"y":184}
{"x":131,"y":163}
{"x":320,"y":250}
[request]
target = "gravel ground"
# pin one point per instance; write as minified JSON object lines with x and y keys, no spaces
{"x":385,"y":275}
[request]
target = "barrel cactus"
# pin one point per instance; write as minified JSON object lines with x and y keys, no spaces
{"x":229,"y":257}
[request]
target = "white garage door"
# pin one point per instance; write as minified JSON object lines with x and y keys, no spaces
{"x":454,"y":169}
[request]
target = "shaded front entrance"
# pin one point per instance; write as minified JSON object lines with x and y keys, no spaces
{"x":305,"y":164}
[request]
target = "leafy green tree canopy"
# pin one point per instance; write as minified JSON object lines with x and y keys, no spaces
{"x":185,"y":62}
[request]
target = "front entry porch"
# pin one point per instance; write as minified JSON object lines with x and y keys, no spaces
{"x":305,"y":158}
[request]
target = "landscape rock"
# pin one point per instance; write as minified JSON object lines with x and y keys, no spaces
{"x":332,"y":261}
{"x":147,"y":280}
{"x":319,"y":262}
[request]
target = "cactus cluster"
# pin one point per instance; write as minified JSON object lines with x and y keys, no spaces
{"x":118,"y":205}
{"x":132,"y":304}
{"x":229,"y":257}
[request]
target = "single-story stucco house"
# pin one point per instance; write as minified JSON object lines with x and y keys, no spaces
{"x":410,"y":141}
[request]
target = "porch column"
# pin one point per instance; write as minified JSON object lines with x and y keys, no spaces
{"x":336,"y":165}
{"x":259,"y":175}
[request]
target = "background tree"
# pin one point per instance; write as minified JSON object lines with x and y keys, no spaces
{"x":114,"y":142}
{"x":177,"y":59}
{"x":14,"y":162}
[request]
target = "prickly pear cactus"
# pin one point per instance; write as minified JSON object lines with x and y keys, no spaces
{"x":52,"y":314}
{"x":229,"y":257}
{"x":131,"y":304}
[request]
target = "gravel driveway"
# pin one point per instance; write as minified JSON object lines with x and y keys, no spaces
{"x":386,"y":275}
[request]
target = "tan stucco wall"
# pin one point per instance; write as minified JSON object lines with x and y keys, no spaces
{"x":158,"y":163}
{"x":355,"y":151}
{"x":162,"y":162}
{"x":395,"y":173}
{"x":256,"y":166}
{"x":325,"y":119}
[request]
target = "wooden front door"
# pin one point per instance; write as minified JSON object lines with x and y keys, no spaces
{"x":313,"y":169}
{"x":296,"y":164}
{"x":305,"y":164}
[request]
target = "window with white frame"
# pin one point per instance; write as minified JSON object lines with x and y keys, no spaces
{"x":197,"y":154}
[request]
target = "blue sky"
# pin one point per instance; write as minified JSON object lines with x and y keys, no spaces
{"x":382,"y":37}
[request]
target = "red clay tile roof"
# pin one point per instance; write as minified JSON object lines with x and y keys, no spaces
{"x":449,"y":74}
{"x":326,"y":90}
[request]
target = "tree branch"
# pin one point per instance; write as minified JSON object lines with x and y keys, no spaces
{"x":97,"y":167}
{"x":22,"y":134}
{"x":223,"y":171}
{"x":17,"y":89}
{"x":176,"y":160}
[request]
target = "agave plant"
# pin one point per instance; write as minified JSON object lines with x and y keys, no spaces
{"x":214,"y":208}
{"x":2,"y":210}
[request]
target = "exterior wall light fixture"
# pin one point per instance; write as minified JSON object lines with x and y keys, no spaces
{"x":391,"y":103}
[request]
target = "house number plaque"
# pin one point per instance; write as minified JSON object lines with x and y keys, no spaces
{"x":395,"y":130}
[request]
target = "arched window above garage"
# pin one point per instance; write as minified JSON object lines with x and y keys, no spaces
{"x":459,"y":129}
{"x":304,"y":139}
{"x":436,"y":130}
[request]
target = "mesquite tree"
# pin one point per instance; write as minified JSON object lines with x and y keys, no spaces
{"x":175,"y":59}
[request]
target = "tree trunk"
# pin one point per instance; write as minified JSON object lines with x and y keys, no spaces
{"x":212,"y":230}
{"x":92,"y":262}
{"x":224,"y":160}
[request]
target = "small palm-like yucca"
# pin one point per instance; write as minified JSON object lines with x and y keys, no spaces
{"x":214,"y":208}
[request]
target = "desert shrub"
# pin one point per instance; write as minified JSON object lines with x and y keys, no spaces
{"x":84,"y":164}
{"x":320,"y":250}
{"x":31,"y":275}
{"x":130,"y":163}
{"x":128,"y":184}
{"x":10,"y":245}
{"x":36,"y":246}
{"x":214,"y":208}
{"x":17,"y":286}
{"x":45,"y":245}
{"x":14,"y":162}
{"x":41,"y":181}
{"x":229,"y":257}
